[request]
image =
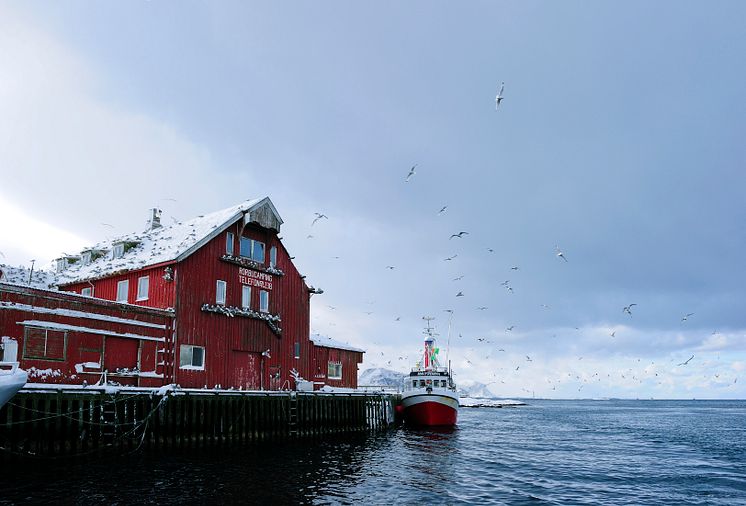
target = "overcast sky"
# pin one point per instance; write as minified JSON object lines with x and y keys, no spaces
{"x":620,"y":140}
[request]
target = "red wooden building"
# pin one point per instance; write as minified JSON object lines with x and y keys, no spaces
{"x":238,"y":311}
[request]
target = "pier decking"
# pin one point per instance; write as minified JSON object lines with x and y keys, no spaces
{"x":54,"y":422}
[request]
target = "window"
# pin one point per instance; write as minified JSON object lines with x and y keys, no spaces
{"x":272,"y":256}
{"x":123,"y":288}
{"x":264,"y":301}
{"x":143,"y":284}
{"x":86,"y":258}
{"x":44,"y":344}
{"x":61,"y":264}
{"x":297,"y":350}
{"x":414,"y":383}
{"x":422,"y":383}
{"x":220,"y":291}
{"x":252,"y":249}
{"x":229,"y":243}
{"x":118,"y":250}
{"x":443,"y":383}
{"x":335,"y":370}
{"x":245,"y":296}
{"x":192,"y":357}
{"x":88,"y":291}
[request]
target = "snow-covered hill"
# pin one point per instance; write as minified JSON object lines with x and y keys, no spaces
{"x":378,"y":376}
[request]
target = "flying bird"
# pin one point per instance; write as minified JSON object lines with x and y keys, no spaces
{"x":460,"y":235}
{"x":397,"y":318}
{"x":107,"y":225}
{"x":686,"y":317}
{"x":458,"y":278}
{"x":390,"y":267}
{"x":514,"y":268}
{"x":481,"y":308}
{"x":490,"y":250}
{"x":559,"y":253}
{"x":686,"y":362}
{"x":318,"y":217}
{"x":613,"y":334}
{"x":309,"y":236}
{"x":499,"y":97}
{"x":628,"y":309}
{"x":528,"y":359}
{"x":460,"y":294}
{"x":510,"y":328}
{"x":450,"y":258}
{"x":411,"y":173}
{"x":442,"y":210}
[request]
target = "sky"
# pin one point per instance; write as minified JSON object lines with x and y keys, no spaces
{"x":619,"y":142}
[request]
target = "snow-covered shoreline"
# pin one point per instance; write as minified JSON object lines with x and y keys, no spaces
{"x":473,"y":402}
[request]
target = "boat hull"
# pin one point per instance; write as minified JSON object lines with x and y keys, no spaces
{"x":430,"y":410}
{"x":10,"y":384}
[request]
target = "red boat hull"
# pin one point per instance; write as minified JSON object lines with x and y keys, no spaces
{"x":430,"y":413}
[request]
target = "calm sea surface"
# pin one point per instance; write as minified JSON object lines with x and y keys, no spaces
{"x":550,"y":452}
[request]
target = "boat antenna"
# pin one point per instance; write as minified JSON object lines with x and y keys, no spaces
{"x":448,"y":341}
{"x":428,"y":329}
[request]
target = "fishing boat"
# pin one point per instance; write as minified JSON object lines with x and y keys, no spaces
{"x":429,"y":396}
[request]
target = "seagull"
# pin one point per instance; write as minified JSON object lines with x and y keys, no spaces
{"x":107,"y":225}
{"x":490,"y":250}
{"x":514,"y":268}
{"x":448,"y":310}
{"x":450,"y":258}
{"x":460,"y":294}
{"x":332,"y":307}
{"x":318,"y":217}
{"x":613,"y":334}
{"x":309,"y":236}
{"x":528,"y":359}
{"x":390,"y":267}
{"x":397,"y":318}
{"x":687,"y":361}
{"x":460,"y":235}
{"x":544,"y":306}
{"x":628,"y":309}
{"x":505,"y":283}
{"x":481,"y":308}
{"x":368,"y":312}
{"x":499,"y":97}
{"x":559,"y":253}
{"x":442,"y":210}
{"x":411,"y":173}
{"x":510,"y":328}
{"x":686,"y":317}
{"x":455,"y":279}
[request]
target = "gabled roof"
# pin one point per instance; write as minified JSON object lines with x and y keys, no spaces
{"x":169,"y":243}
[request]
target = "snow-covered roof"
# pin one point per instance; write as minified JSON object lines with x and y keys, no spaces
{"x":168,"y":243}
{"x":328,"y":342}
{"x":20,"y":276}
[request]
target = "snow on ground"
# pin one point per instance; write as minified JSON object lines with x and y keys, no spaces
{"x":471,"y":402}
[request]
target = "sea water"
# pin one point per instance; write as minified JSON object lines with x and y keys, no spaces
{"x":549,"y":452}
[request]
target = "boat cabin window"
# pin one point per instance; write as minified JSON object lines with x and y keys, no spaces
{"x":422,"y":383}
{"x":414,"y":383}
{"x":443,"y":383}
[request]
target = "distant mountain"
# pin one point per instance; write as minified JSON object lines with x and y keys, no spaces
{"x":378,"y":376}
{"x":474,"y":389}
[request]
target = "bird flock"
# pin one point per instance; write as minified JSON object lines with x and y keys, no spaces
{"x":627,"y":374}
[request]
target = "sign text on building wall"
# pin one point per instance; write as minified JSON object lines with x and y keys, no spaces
{"x":255,"y":278}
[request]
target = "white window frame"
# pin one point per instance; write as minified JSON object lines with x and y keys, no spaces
{"x":118,"y":251}
{"x":221,"y":288}
{"x":87,"y":291}
{"x":123,"y":286}
{"x":86,"y":258}
{"x":264,"y":301}
{"x":229,"y":243}
{"x":245,"y":296}
{"x":140,"y":281}
{"x":251,"y":254}
{"x":334,"y":370}
{"x":273,"y":256}
{"x":186,"y":357}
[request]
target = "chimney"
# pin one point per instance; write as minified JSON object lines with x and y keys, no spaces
{"x":155,"y":219}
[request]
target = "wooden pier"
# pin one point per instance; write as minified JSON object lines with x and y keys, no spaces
{"x":75,"y":422}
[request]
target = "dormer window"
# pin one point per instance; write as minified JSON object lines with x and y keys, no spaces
{"x":61,"y":264}
{"x":249,"y":248}
{"x":85,"y":258}
{"x":118,"y":251}
{"x":229,"y":243}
